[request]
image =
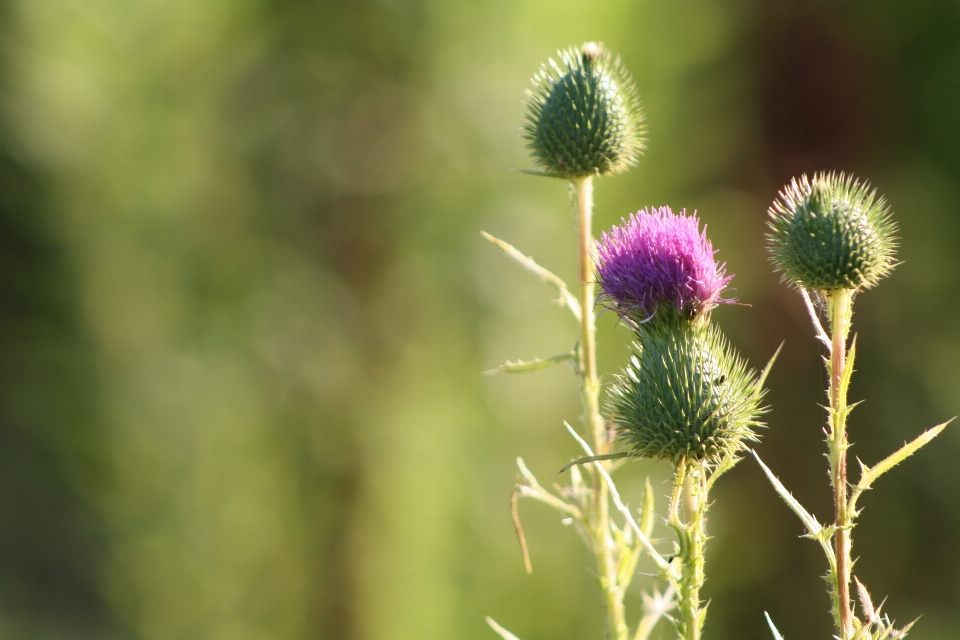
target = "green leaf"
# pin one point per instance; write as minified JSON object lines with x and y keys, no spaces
{"x":728,"y":462}
{"x":766,"y":370}
{"x":848,"y":368}
{"x":605,"y":456}
{"x":814,"y":528}
{"x":647,"y":514}
{"x":537,"y":363}
{"x":566,"y":298}
{"x":647,"y":517}
{"x":773,"y":628}
{"x":630,"y":556}
{"x":869,"y":475}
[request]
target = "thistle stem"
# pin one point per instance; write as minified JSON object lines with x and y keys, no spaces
{"x":840,"y":312}
{"x":690,"y":479}
{"x":590,"y":386}
{"x":597,"y":432}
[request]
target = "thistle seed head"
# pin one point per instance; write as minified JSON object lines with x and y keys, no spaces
{"x":584,"y":115}
{"x":685,"y":394}
{"x":831,"y":233}
{"x":659,"y":259}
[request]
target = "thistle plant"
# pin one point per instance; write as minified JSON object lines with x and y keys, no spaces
{"x":685,"y":397}
{"x":832,"y":237}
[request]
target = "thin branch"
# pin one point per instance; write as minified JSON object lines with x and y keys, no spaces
{"x":821,"y":334}
{"x":532,"y":489}
{"x":519,"y":528}
{"x":540,"y":494}
{"x":503,"y":633}
{"x":566,"y":298}
{"x":527,"y":475}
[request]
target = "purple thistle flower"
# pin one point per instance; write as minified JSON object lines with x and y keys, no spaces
{"x":657,"y":257}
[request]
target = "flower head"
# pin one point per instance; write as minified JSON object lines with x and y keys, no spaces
{"x":831,"y":233}
{"x":658,"y":258}
{"x":584,"y":116}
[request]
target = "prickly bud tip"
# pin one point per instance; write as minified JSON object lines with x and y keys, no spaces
{"x":832,"y":232}
{"x":584,"y":116}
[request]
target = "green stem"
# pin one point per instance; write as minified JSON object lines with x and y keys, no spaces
{"x":590,"y":386}
{"x":840,"y":313}
{"x":590,"y":391}
{"x":690,"y":478}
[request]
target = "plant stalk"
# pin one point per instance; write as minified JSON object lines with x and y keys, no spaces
{"x":690,"y":479}
{"x":840,"y":313}
{"x":590,"y":385}
{"x":596,"y":428}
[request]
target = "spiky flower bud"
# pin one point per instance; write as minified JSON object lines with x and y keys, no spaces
{"x":659,"y":259}
{"x":831,"y":233}
{"x":685,"y":395}
{"x":584,"y":115}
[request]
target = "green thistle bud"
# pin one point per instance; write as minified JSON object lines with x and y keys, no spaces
{"x":584,"y":115}
{"x":831,"y":233}
{"x":685,"y":394}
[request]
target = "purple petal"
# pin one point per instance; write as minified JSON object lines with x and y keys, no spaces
{"x":659,"y":257}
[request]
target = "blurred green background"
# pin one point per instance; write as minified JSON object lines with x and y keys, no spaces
{"x":244,"y":308}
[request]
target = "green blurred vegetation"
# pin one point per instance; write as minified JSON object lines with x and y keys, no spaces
{"x":244,"y":305}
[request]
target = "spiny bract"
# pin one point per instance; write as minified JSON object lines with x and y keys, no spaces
{"x":831,"y":233}
{"x":584,"y":115}
{"x":685,"y":394}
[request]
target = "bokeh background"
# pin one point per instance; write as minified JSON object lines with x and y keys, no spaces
{"x":244,"y":308}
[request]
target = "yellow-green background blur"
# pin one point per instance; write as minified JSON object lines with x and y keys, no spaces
{"x":245,"y":304}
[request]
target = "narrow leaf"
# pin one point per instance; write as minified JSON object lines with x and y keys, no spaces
{"x":813,"y":527}
{"x":503,"y":633}
{"x":766,"y":370}
{"x":866,"y":603}
{"x":647,"y":514}
{"x":534,"y":172}
{"x":848,"y":368}
{"x":773,"y":628}
{"x":725,"y":465}
{"x":870,"y":474}
{"x":902,"y":632}
{"x":566,"y":298}
{"x":532,"y":365}
{"x":585,"y":460}
{"x":628,"y":565}
{"x":629,"y":557}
